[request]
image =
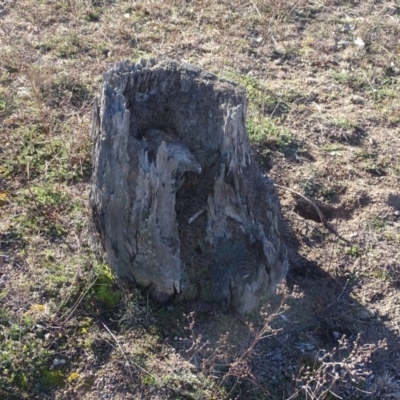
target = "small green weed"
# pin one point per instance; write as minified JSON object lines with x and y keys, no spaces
{"x":105,"y":290}
{"x":6,"y":103}
{"x":377,"y":223}
{"x":383,"y":275}
{"x":260,"y":99}
{"x":3,"y":101}
{"x":67,"y":87}
{"x":353,"y":251}
{"x":376,"y":168}
{"x":21,"y":342}
{"x":65,"y":46}
{"x":314,"y":188}
{"x":40,"y":155}
{"x":53,"y":377}
{"x":93,"y":15}
{"x":342,"y":76}
{"x":332,"y":147}
{"x":149,"y":380}
{"x":364,"y":155}
{"x":43,"y":208}
{"x":267,"y":132}
{"x":351,"y":79}
{"x":344,"y":123}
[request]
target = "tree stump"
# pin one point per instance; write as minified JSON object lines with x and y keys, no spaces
{"x":178,"y":203}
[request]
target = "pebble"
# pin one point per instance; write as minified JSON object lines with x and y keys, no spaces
{"x":336,"y":335}
{"x":56,"y":362}
{"x":342,"y":44}
{"x":357,"y":99}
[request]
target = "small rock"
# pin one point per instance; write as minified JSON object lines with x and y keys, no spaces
{"x":303,"y":347}
{"x":357,"y":99}
{"x":365,"y":315}
{"x":359,"y":42}
{"x":57,"y":362}
{"x":342,"y":44}
{"x":336,"y":335}
{"x":347,"y":28}
{"x":393,"y":69}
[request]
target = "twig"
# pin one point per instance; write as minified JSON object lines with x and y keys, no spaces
{"x":344,"y":288}
{"x":392,"y":136}
{"x":129,"y":362}
{"x":321,"y":216}
{"x":369,"y":82}
{"x":194,"y":216}
{"x":254,"y":4}
{"x":80,"y":298}
{"x":124,"y":355}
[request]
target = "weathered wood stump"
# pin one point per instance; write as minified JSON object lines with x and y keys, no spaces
{"x":178,"y":203}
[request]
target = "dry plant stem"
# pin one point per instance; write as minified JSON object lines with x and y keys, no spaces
{"x":129,"y":362}
{"x":344,"y":288}
{"x":196,"y":215}
{"x":80,"y":298}
{"x":124,"y":355}
{"x":262,"y":334}
{"x":392,"y":136}
{"x":256,"y":8}
{"x":43,"y":117}
{"x":233,"y":388}
{"x":321,"y":216}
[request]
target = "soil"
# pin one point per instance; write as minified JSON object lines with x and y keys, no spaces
{"x":324,"y":76}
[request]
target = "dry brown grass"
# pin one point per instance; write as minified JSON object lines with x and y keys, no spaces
{"x":323,"y":83}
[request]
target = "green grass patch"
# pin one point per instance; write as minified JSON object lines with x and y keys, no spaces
{"x":353,"y":251}
{"x":332,"y":147}
{"x":105,"y":290}
{"x":40,"y":154}
{"x":44,"y":207}
{"x":53,"y":378}
{"x":260,"y":99}
{"x":315,"y":187}
{"x":267,"y":132}
{"x":62,"y":46}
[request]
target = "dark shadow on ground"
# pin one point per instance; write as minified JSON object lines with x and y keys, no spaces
{"x":298,"y":340}
{"x":321,"y":312}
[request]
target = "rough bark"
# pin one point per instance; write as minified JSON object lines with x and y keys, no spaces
{"x":178,"y":203}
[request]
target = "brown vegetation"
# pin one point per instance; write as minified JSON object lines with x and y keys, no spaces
{"x":323,"y":83}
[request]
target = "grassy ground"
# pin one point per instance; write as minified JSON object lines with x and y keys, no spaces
{"x":323,"y":85}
